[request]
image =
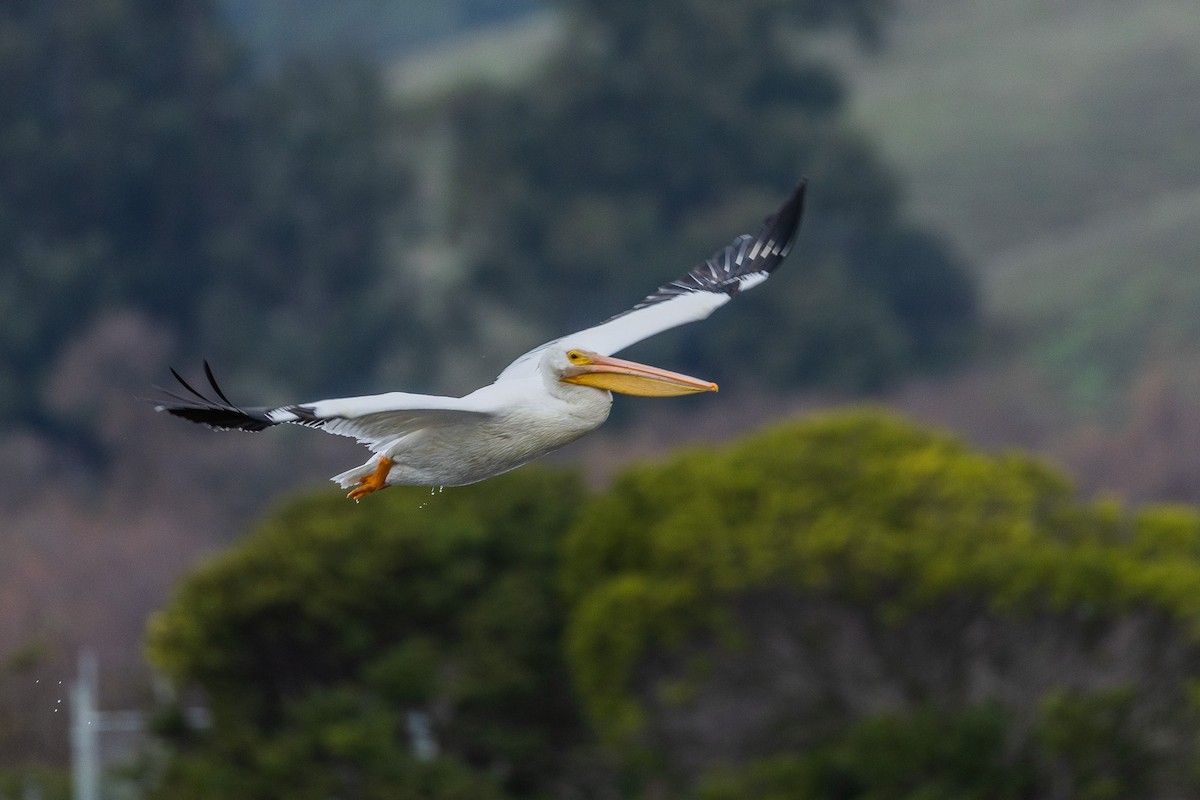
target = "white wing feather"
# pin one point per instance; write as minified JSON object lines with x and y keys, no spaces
{"x":743,"y":264}
{"x":379,"y":421}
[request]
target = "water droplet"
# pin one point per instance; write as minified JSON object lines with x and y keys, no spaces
{"x":432,"y":491}
{"x":440,"y":489}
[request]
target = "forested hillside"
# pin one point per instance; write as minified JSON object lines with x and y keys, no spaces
{"x":271,"y":221}
{"x":149,"y":172}
{"x":652,"y":129}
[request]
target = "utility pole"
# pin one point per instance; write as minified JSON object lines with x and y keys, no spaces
{"x":85,"y":745}
{"x":420,"y":735}
{"x":89,"y":724}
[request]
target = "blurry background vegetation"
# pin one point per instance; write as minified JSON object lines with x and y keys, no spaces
{"x":329,"y":199}
{"x":852,"y":607}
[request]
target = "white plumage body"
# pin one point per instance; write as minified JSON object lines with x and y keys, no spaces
{"x":503,"y":426}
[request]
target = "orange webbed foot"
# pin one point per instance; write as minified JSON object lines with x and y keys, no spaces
{"x":374,"y":482}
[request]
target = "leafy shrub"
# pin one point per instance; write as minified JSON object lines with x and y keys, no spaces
{"x":679,"y":572}
{"x":923,"y":756}
{"x":316,"y":635}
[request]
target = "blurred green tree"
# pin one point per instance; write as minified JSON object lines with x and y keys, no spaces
{"x":106,"y":113}
{"x":1083,"y":746}
{"x":316,"y":636}
{"x":923,"y":756}
{"x":1093,"y":746}
{"x":850,"y":607}
{"x":656,"y":134}
{"x":766,"y":598}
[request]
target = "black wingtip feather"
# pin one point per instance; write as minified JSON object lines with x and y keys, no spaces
{"x":208,"y":373}
{"x":782,"y":226}
{"x":187,"y":385}
{"x":761,"y":253}
{"x":217,"y":414}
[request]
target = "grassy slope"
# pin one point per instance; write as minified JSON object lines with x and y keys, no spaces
{"x":277,"y":29}
{"x":501,"y":54}
{"x":1059,"y":146}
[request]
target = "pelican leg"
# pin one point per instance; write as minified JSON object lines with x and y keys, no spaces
{"x":373,"y":482}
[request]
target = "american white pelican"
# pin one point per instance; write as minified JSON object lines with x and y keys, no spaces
{"x":547,"y":398}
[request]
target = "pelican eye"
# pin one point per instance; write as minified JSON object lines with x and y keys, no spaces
{"x":576,"y":357}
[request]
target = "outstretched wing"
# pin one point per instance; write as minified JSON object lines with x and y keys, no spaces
{"x":375,"y":420}
{"x":744,"y":263}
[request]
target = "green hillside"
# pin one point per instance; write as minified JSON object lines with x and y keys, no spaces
{"x":1059,"y":147}
{"x":1102,"y":299}
{"x":1021,"y":120}
{"x":503,"y":53}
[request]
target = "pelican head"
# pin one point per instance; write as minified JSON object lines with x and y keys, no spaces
{"x":586,"y":368}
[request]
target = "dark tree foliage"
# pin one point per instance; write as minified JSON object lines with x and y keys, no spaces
{"x":925,"y":755}
{"x":659,"y":132}
{"x":143,"y":166}
{"x":301,"y":287}
{"x":855,"y":607}
{"x":109,"y":116}
{"x":317,"y":635}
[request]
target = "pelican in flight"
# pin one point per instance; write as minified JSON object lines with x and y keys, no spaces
{"x":546,"y":399}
